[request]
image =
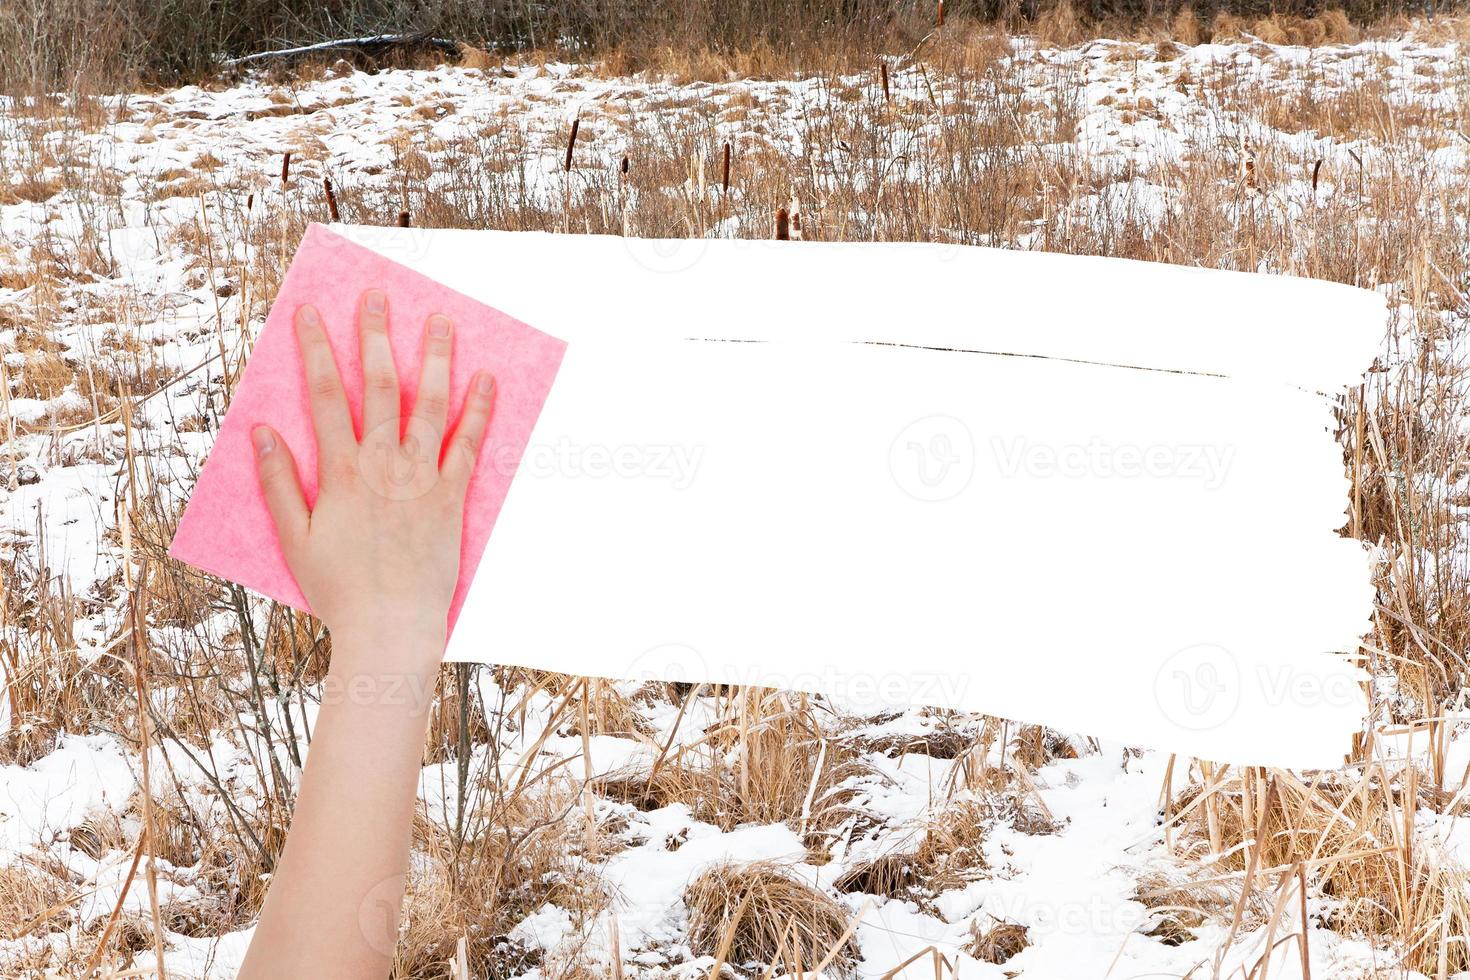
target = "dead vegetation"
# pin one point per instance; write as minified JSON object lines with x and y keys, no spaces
{"x":999,"y":943}
{"x":758,"y":916}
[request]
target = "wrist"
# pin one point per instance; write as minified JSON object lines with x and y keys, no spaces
{"x":388,"y":643}
{"x":388,"y":622}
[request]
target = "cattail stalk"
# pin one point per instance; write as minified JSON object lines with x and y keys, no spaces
{"x":14,"y":479}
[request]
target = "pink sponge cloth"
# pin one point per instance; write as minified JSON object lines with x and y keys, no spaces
{"x":226,"y":530}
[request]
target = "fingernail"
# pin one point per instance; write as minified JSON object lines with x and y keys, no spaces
{"x":264,"y":441}
{"x":485,"y":384}
{"x":374,"y":301}
{"x":308,"y":316}
{"x":439,"y":326}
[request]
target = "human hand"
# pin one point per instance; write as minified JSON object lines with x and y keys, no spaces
{"x":378,"y":553}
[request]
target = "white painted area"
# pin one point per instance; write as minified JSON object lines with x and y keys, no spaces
{"x":1321,"y":335}
{"x":1039,"y":540}
{"x":1077,"y":544}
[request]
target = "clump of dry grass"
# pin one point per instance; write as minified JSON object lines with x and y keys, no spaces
{"x":51,"y":687}
{"x":767,"y":759}
{"x":179,"y":596}
{"x":34,"y":900}
{"x":1179,"y":903}
{"x":519,"y":851}
{"x":999,"y":943}
{"x":1350,"y":836}
{"x":949,"y":854}
{"x":759,"y":914}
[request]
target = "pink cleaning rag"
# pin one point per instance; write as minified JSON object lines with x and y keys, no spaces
{"x":226,"y":529}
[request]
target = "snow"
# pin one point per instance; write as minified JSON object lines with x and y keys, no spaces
{"x":39,"y":802}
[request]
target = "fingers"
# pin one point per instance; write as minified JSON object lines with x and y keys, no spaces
{"x":431,"y":408}
{"x":335,"y":440}
{"x":379,"y":376}
{"x":276,"y":468}
{"x":464,"y":446}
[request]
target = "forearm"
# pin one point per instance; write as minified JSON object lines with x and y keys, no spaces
{"x":333,"y":905}
{"x":377,"y":555}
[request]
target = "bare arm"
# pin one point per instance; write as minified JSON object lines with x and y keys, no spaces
{"x":377,"y":557}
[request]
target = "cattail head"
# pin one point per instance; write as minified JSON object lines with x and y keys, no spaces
{"x":624,"y":166}
{"x":883,"y":71}
{"x":783,"y":225}
{"x":571,"y":143}
{"x":286,"y":168}
{"x":403,"y":219}
{"x":725,"y":179}
{"x":331,"y":201}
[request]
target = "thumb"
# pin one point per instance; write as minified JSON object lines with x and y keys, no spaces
{"x":280,"y":485}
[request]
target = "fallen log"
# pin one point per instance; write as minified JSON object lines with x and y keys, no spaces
{"x":371,"y":48}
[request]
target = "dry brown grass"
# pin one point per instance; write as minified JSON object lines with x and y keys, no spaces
{"x":1350,"y":836}
{"x":949,"y":854}
{"x":33,"y":898}
{"x":758,"y":915}
{"x":522,"y":853}
{"x":998,"y":943}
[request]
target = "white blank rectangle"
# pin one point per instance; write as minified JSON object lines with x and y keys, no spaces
{"x":1122,"y":520}
{"x":1116,"y":552}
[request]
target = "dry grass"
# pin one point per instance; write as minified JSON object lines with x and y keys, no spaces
{"x":757,"y":915}
{"x":522,"y":853}
{"x":33,"y":899}
{"x":949,"y":854}
{"x":998,"y":943}
{"x":1349,"y":835}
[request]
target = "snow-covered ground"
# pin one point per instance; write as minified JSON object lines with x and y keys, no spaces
{"x":140,"y":236}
